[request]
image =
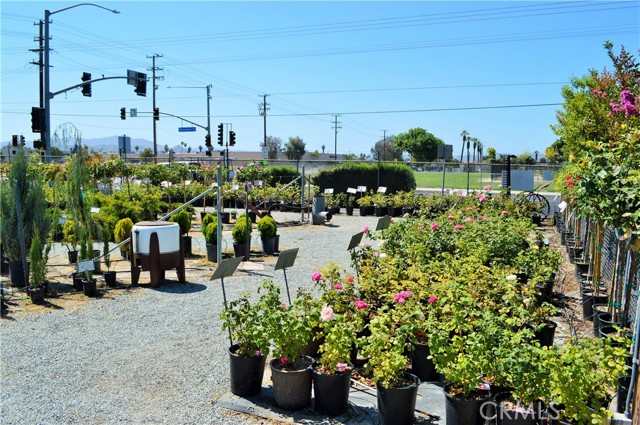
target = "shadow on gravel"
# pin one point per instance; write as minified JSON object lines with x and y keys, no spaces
{"x":170,"y":287}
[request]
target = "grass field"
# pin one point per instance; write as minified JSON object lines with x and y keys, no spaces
{"x":455,"y":180}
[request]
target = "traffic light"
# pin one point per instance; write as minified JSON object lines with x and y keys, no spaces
{"x":208,"y":152}
{"x":123,"y":113}
{"x":207,"y":140}
{"x":86,"y":89}
{"x":232,"y":138}
{"x":37,"y":144}
{"x":220,"y":134}
{"x":141,"y":84}
{"x":14,"y":140}
{"x":37,"y":120}
{"x":21,"y":140}
{"x":156,"y":114}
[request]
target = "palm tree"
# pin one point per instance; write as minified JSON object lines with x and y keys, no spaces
{"x":479,"y":147}
{"x":464,"y":136}
{"x":200,"y":148}
{"x":475,"y":143}
{"x":137,"y":147}
{"x":536,"y":154}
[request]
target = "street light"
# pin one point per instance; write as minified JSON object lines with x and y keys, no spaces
{"x":47,"y":93}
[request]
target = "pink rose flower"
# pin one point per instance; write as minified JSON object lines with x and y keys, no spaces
{"x":458,"y":227}
{"x":283,"y":360}
{"x":435,"y":226}
{"x":258,"y":353}
{"x":504,"y":212}
{"x":432,"y":299}
{"x":327,"y":314}
{"x":365,"y":230}
{"x":469,"y":220}
{"x":482,"y":198}
{"x":316,"y":276}
{"x":451,"y":218}
{"x":337,"y":287}
{"x":487,"y":187}
{"x":350,"y":279}
{"x":361,"y":304}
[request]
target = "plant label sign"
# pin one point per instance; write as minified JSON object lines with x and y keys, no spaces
{"x":62,"y":220}
{"x":328,"y":191}
{"x":362,"y":189}
{"x":85,"y":266}
{"x":95,"y":210}
{"x":351,"y":190}
{"x":382,"y":189}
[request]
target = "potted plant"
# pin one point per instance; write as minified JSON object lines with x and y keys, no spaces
{"x":241,"y":235}
{"x":122,"y":232}
{"x":183,"y":218}
{"x":69,"y":239}
{"x":38,"y":257}
{"x":289,"y":329}
{"x":349,"y":204}
{"x":267,"y":227}
{"x":245,"y":322}
{"x":364,"y":202}
{"x":385,"y":349}
{"x":210,"y":233}
{"x":109,"y":276}
{"x":332,"y":371}
{"x":23,"y":208}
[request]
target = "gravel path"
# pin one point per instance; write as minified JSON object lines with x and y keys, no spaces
{"x":147,"y":356}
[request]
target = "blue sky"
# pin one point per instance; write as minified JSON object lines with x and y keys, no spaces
{"x":442,"y":66}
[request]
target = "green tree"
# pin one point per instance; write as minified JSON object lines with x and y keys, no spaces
{"x":386,"y":150}
{"x":421,"y":145}
{"x":350,"y":156}
{"x":491,"y":154}
{"x":315,"y":154}
{"x":295,"y":148}
{"x":146,"y":153}
{"x":274,"y":147}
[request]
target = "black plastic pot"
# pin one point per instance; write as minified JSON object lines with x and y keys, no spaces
{"x":89,"y":287}
{"x":349,"y":210}
{"x":292,"y":388}
{"x":268,"y":245}
{"x":37,"y":294}
{"x":465,"y":411}
{"x":421,"y":365}
{"x":242,"y":250}
{"x":186,"y":244}
{"x":396,"y":406}
{"x":212,"y":252}
{"x":17,"y":275}
{"x":331,"y":392}
{"x":77,"y":281}
{"x":246,"y":373}
{"x":72,"y":256}
{"x":363,"y":211}
{"x":546,"y":334}
{"x":110,"y":279}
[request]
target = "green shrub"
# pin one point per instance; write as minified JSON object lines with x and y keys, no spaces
{"x":281,"y":174}
{"x":395,"y":177}
{"x":210,"y":233}
{"x":123,"y":231}
{"x":183,"y":218}
{"x":241,"y":232}
{"x":209,"y":218}
{"x":69,"y":236}
{"x":267,"y":227}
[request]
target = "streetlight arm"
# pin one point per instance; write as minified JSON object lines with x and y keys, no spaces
{"x":81,"y":4}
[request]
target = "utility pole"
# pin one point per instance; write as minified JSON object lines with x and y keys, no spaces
{"x":40,"y":64}
{"x":335,"y":127}
{"x":263,"y":108}
{"x":153,"y":69}
{"x":47,"y":65}
{"x":384,"y":145}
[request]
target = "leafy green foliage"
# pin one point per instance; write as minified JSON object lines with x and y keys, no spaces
{"x":267,"y":227}
{"x":183,"y":218}
{"x":395,"y":177}
{"x":421,"y":145}
{"x":241,"y":232}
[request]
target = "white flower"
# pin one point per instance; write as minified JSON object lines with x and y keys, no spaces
{"x":327,"y":314}
{"x":512,"y":277}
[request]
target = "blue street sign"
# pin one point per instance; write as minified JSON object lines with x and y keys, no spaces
{"x":183,"y":129}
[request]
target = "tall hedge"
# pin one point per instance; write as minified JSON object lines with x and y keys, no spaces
{"x":395,"y":177}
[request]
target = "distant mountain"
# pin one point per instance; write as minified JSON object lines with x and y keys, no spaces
{"x":110,"y":144}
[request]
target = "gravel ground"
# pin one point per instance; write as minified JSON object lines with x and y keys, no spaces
{"x":146,"y":356}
